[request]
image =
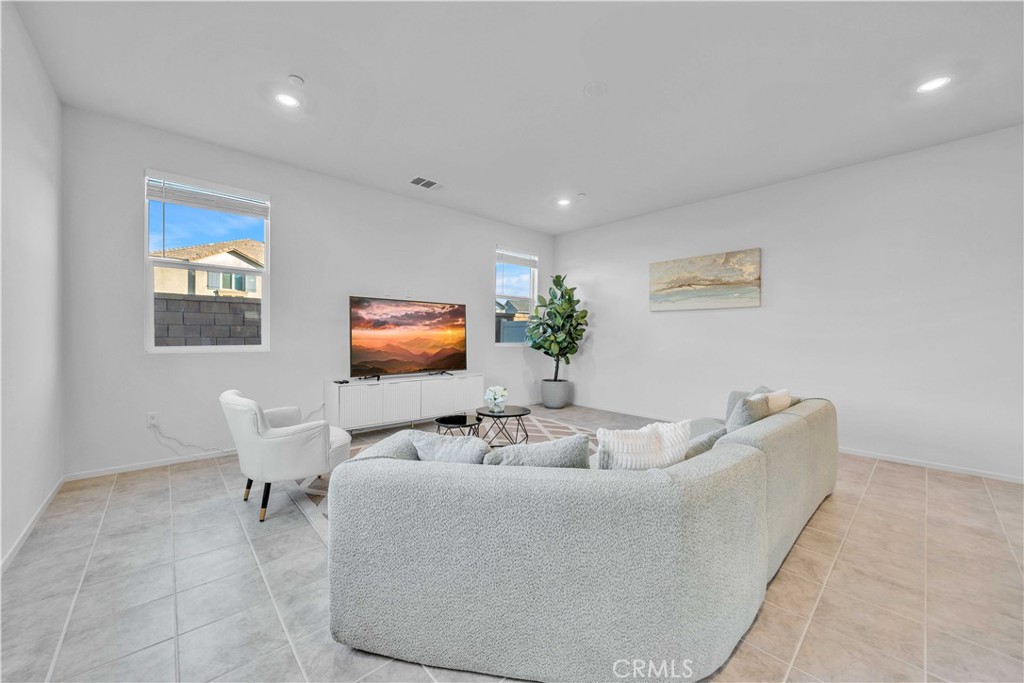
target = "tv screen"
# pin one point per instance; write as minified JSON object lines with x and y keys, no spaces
{"x":395,"y":337}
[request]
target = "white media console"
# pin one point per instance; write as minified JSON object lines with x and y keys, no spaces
{"x":365,"y":403}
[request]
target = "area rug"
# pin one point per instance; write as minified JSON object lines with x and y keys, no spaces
{"x":539,"y":428}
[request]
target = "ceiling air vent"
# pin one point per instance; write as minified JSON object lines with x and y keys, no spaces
{"x":427,"y":184}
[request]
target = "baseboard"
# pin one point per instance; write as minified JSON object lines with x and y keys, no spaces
{"x":933,"y":465}
{"x":85,"y":474}
{"x":30,"y":527}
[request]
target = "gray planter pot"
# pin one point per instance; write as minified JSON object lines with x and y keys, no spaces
{"x":555,"y":393}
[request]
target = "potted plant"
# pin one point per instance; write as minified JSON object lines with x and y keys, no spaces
{"x":556,"y":329}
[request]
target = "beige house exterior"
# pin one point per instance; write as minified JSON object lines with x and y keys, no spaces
{"x":207,"y":280}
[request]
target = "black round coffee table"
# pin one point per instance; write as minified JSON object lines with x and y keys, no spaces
{"x":465,"y":425}
{"x":499,"y":425}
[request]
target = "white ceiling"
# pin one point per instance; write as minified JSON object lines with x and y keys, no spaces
{"x":487,"y":98}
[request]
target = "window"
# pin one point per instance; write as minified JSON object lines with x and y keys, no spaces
{"x":228,"y":281}
{"x":206,"y":266}
{"x":515,"y":294}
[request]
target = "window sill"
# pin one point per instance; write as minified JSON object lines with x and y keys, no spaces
{"x":235,"y":348}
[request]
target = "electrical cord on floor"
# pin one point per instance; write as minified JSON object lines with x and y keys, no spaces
{"x":158,"y":434}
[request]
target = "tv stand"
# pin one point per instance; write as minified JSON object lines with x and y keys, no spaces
{"x":397,"y":400}
{"x":440,"y":372}
{"x":377,"y":377}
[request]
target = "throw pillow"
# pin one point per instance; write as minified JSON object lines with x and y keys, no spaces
{"x":704,"y":442}
{"x":748,"y":411}
{"x":777,"y":400}
{"x":674,"y":440}
{"x":466,"y":449}
{"x":618,"y":447}
{"x":736,"y":396}
{"x":397,"y":446}
{"x":656,"y":445}
{"x":572,"y":451}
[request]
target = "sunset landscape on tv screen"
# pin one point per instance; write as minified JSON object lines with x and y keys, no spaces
{"x":391,"y":337}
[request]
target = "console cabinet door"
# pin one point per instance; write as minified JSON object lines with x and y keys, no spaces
{"x":401,"y":402}
{"x":452,"y":395}
{"x":445,"y":396}
{"x":361,"y":405}
{"x":470,"y":393}
{"x":435,"y":398}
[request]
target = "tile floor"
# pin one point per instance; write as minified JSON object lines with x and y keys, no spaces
{"x":165,"y":574}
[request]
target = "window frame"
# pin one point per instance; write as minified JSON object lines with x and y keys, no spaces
{"x":151,"y":263}
{"x":534,"y":282}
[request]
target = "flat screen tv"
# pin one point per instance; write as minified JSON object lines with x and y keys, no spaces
{"x":397,"y":337}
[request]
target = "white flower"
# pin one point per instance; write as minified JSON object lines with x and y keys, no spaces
{"x":496,"y":393}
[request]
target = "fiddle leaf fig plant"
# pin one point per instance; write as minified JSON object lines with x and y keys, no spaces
{"x":557,"y":324}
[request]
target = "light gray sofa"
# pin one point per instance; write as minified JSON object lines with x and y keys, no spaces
{"x":564,"y":574}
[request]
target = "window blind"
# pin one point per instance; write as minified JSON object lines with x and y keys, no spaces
{"x":507,"y":256}
{"x":158,"y":189}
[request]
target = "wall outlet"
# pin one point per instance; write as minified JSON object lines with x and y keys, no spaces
{"x":152,"y":420}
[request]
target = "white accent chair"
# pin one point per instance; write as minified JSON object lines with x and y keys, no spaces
{"x":273,"y":446}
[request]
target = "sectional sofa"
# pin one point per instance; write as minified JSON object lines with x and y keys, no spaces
{"x":557,"y":574}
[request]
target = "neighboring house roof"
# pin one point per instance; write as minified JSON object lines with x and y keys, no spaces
{"x":512,"y":306}
{"x":247,"y":249}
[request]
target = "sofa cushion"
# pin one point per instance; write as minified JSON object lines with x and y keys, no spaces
{"x":466,"y":449}
{"x":704,"y":442}
{"x":656,"y":445}
{"x":398,"y":446}
{"x":747,"y":411}
{"x":572,"y":451}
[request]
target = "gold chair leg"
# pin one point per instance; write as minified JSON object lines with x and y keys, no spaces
{"x":266,"y":499}
{"x":248,"y":487}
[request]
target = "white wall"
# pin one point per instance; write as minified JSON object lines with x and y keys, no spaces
{"x":328,"y":239}
{"x":891,"y":287}
{"x":32,"y":461}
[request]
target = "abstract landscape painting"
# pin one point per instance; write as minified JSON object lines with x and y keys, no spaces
{"x":391,"y":337}
{"x":731,"y":279}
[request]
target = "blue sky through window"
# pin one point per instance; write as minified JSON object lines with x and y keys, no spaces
{"x":186,"y":226}
{"x":513,"y":280}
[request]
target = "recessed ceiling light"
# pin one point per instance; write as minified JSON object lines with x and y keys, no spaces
{"x":286,"y":100}
{"x":934,"y":84}
{"x":595,"y":88}
{"x":564,"y":202}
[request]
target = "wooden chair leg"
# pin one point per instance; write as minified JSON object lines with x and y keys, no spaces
{"x":266,"y":499}
{"x":248,"y":487}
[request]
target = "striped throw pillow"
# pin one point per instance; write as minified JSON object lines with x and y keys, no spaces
{"x":657,"y":445}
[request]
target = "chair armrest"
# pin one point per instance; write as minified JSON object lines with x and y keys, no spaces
{"x":294,"y":430}
{"x":292,"y":452}
{"x":283,"y":417}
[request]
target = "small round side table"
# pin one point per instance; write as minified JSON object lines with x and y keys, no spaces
{"x":499,"y":425}
{"x":465,"y":425}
